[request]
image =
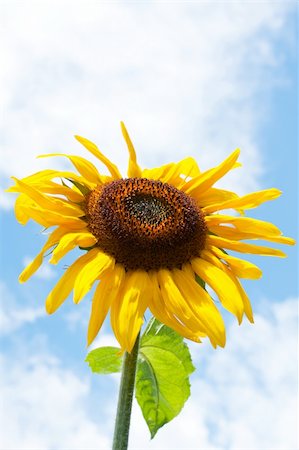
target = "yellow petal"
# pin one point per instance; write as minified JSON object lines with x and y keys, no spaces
{"x":31,"y":268}
{"x":92,"y":148}
{"x":37,"y":215}
{"x":38,"y":179}
{"x":66,"y":283}
{"x":176,"y":303}
{"x":90,"y":272}
{"x":210,"y":257}
{"x":106,"y":292}
{"x":244,"y":224}
{"x":74,"y":178}
{"x":214,"y":195}
{"x":133,"y":169}
{"x":71,"y":193}
{"x":36,"y":263}
{"x":204,"y":181}
{"x":86,"y":239}
{"x":202,"y":305}
{"x":128,"y":309}
{"x":186,"y":167}
{"x":280,"y":240}
{"x":243,"y":247}
{"x":21,"y":203}
{"x":157,"y":173}
{"x":49,"y":218}
{"x":240,"y":267}
{"x":84,"y":167}
{"x":160,"y":311}
{"x":246,"y":202}
{"x":218,"y":280}
{"x":174,"y":300}
{"x":231,"y":234}
{"x":70,"y":241}
{"x":49,"y":203}
{"x":246,"y":301}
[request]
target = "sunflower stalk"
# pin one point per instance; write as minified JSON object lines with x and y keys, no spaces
{"x":125,"y":399}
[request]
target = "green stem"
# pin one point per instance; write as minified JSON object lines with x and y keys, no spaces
{"x":125,"y":398}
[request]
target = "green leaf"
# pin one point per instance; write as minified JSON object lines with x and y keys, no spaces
{"x":87,"y":248}
{"x":200,"y":281}
{"x":105,"y":360}
{"x":83,"y":189}
{"x":162,"y":378}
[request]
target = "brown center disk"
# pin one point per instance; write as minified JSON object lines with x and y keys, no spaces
{"x":145,"y":224}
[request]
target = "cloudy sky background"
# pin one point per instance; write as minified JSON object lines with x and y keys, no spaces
{"x":192,"y":78}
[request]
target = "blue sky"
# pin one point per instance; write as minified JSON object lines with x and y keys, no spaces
{"x":190,"y":78}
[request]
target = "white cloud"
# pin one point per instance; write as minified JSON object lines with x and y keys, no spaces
{"x":243,"y":397}
{"x":44,"y":407}
{"x":188,"y":78}
{"x":14,"y":316}
{"x":76,"y":318}
{"x":6,"y":201}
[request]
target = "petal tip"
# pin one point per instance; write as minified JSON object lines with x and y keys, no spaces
{"x":281,"y":254}
{"x":24,"y":276}
{"x":276,"y":193}
{"x":49,"y":307}
{"x":79,"y":138}
{"x":89,"y":340}
{"x":53,"y":261}
{"x":291,"y":241}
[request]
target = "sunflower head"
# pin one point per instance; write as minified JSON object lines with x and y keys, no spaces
{"x":145,"y":224}
{"x":153,"y":241}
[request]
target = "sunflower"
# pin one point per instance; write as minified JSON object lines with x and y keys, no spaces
{"x":153,"y":241}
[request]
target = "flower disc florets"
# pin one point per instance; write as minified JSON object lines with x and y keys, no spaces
{"x":145,"y":224}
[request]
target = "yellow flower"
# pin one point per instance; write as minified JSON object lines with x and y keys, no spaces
{"x":149,"y":240}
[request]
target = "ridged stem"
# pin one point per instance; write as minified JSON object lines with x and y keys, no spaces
{"x":125,"y":398}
